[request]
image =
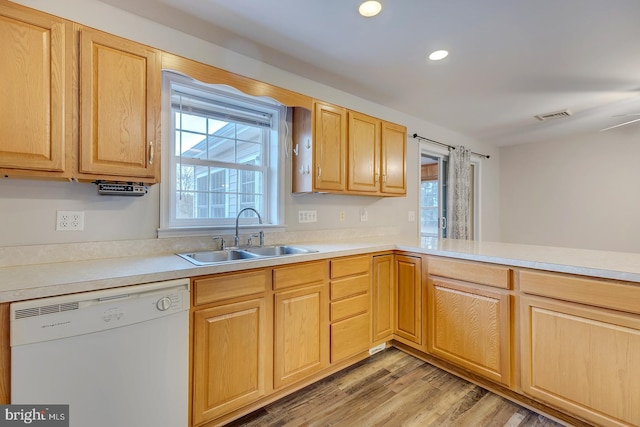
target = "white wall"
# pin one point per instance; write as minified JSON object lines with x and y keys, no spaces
{"x":581,"y":191}
{"x":27,"y":208}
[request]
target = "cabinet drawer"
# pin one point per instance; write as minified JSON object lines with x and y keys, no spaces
{"x":343,"y":288}
{"x":601,"y":293}
{"x":226,"y":286}
{"x":469,"y":271}
{"x":349,"y":337}
{"x":299,"y":274}
{"x":342,"y":267}
{"x":349,"y":307}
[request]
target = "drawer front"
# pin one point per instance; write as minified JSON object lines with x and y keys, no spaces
{"x":226,"y":286}
{"x":343,"y":267}
{"x":601,"y":293}
{"x":350,"y":337}
{"x":469,"y":271}
{"x":299,"y":274}
{"x":349,"y":307}
{"x":343,"y":288}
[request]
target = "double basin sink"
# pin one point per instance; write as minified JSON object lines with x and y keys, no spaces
{"x":226,"y":255}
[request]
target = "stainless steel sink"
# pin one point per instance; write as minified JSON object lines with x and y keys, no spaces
{"x":279,"y":250}
{"x":229,"y":255}
{"x":212,"y":257}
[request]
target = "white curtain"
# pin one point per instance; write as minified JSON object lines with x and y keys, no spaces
{"x":459,"y":194}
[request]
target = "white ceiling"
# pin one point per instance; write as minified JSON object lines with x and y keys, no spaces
{"x":509,"y":59}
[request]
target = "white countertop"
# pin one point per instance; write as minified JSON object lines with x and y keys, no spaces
{"x":42,"y":280}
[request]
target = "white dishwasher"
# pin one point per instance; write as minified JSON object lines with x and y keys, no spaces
{"x":117,"y":357}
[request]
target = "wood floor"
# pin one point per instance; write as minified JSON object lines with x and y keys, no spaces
{"x":390,"y":389}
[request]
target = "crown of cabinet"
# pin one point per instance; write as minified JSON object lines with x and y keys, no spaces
{"x":339,"y":151}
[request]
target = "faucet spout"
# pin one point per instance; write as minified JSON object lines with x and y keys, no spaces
{"x":237,"y":237}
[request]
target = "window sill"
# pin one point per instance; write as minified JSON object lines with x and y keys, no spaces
{"x":209,"y":231}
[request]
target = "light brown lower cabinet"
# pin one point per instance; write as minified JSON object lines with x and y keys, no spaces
{"x":383,"y":298}
{"x":301,"y":335}
{"x":469,"y":325}
{"x":582,"y":359}
{"x":350,"y":306}
{"x":229,"y":357}
{"x":408,"y":296}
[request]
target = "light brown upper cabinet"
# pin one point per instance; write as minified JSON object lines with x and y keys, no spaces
{"x":377,"y":151}
{"x":120,"y":89}
{"x":364,"y":153}
{"x":35,"y":50}
{"x":345,"y":152}
{"x":394,"y":159}
{"x":330,"y":137}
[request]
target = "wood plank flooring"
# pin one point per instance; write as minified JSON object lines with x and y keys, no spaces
{"x":390,"y":389}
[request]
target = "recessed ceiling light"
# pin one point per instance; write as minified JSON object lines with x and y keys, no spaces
{"x":438,"y":55}
{"x":370,"y":8}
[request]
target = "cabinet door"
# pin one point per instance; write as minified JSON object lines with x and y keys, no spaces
{"x":470,"y":326}
{"x":34,"y":58}
{"x":364,"y":153}
{"x":383,"y":297}
{"x":301,"y":334}
{"x":229,"y":350}
{"x":408,"y":324}
{"x":330,"y":147}
{"x":394,"y":159}
{"x":120,"y":86}
{"x":582,"y":359}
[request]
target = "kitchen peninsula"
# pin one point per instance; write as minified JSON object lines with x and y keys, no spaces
{"x":542,"y":326}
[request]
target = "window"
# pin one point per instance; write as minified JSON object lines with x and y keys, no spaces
{"x":222,"y":157}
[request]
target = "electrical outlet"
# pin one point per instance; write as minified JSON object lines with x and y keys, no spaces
{"x":307,"y":216}
{"x":411,"y":217}
{"x":69,"y":220}
{"x":341,"y":216}
{"x":364,"y":215}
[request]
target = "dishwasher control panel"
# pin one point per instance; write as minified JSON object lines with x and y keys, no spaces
{"x":69,"y":315}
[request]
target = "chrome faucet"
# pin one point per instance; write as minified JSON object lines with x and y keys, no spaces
{"x":237,"y":238}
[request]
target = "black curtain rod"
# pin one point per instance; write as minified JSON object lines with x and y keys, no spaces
{"x":450,"y":147}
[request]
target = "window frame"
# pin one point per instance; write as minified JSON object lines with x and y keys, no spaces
{"x":274,"y":159}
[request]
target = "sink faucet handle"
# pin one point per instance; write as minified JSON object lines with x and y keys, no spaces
{"x":260,"y":235}
{"x":222,"y":244}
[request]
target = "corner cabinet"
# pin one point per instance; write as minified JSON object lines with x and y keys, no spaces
{"x":383,"y":298}
{"x":120,"y":89}
{"x":35,"y":53}
{"x":345,"y":152}
{"x":410,"y":300}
